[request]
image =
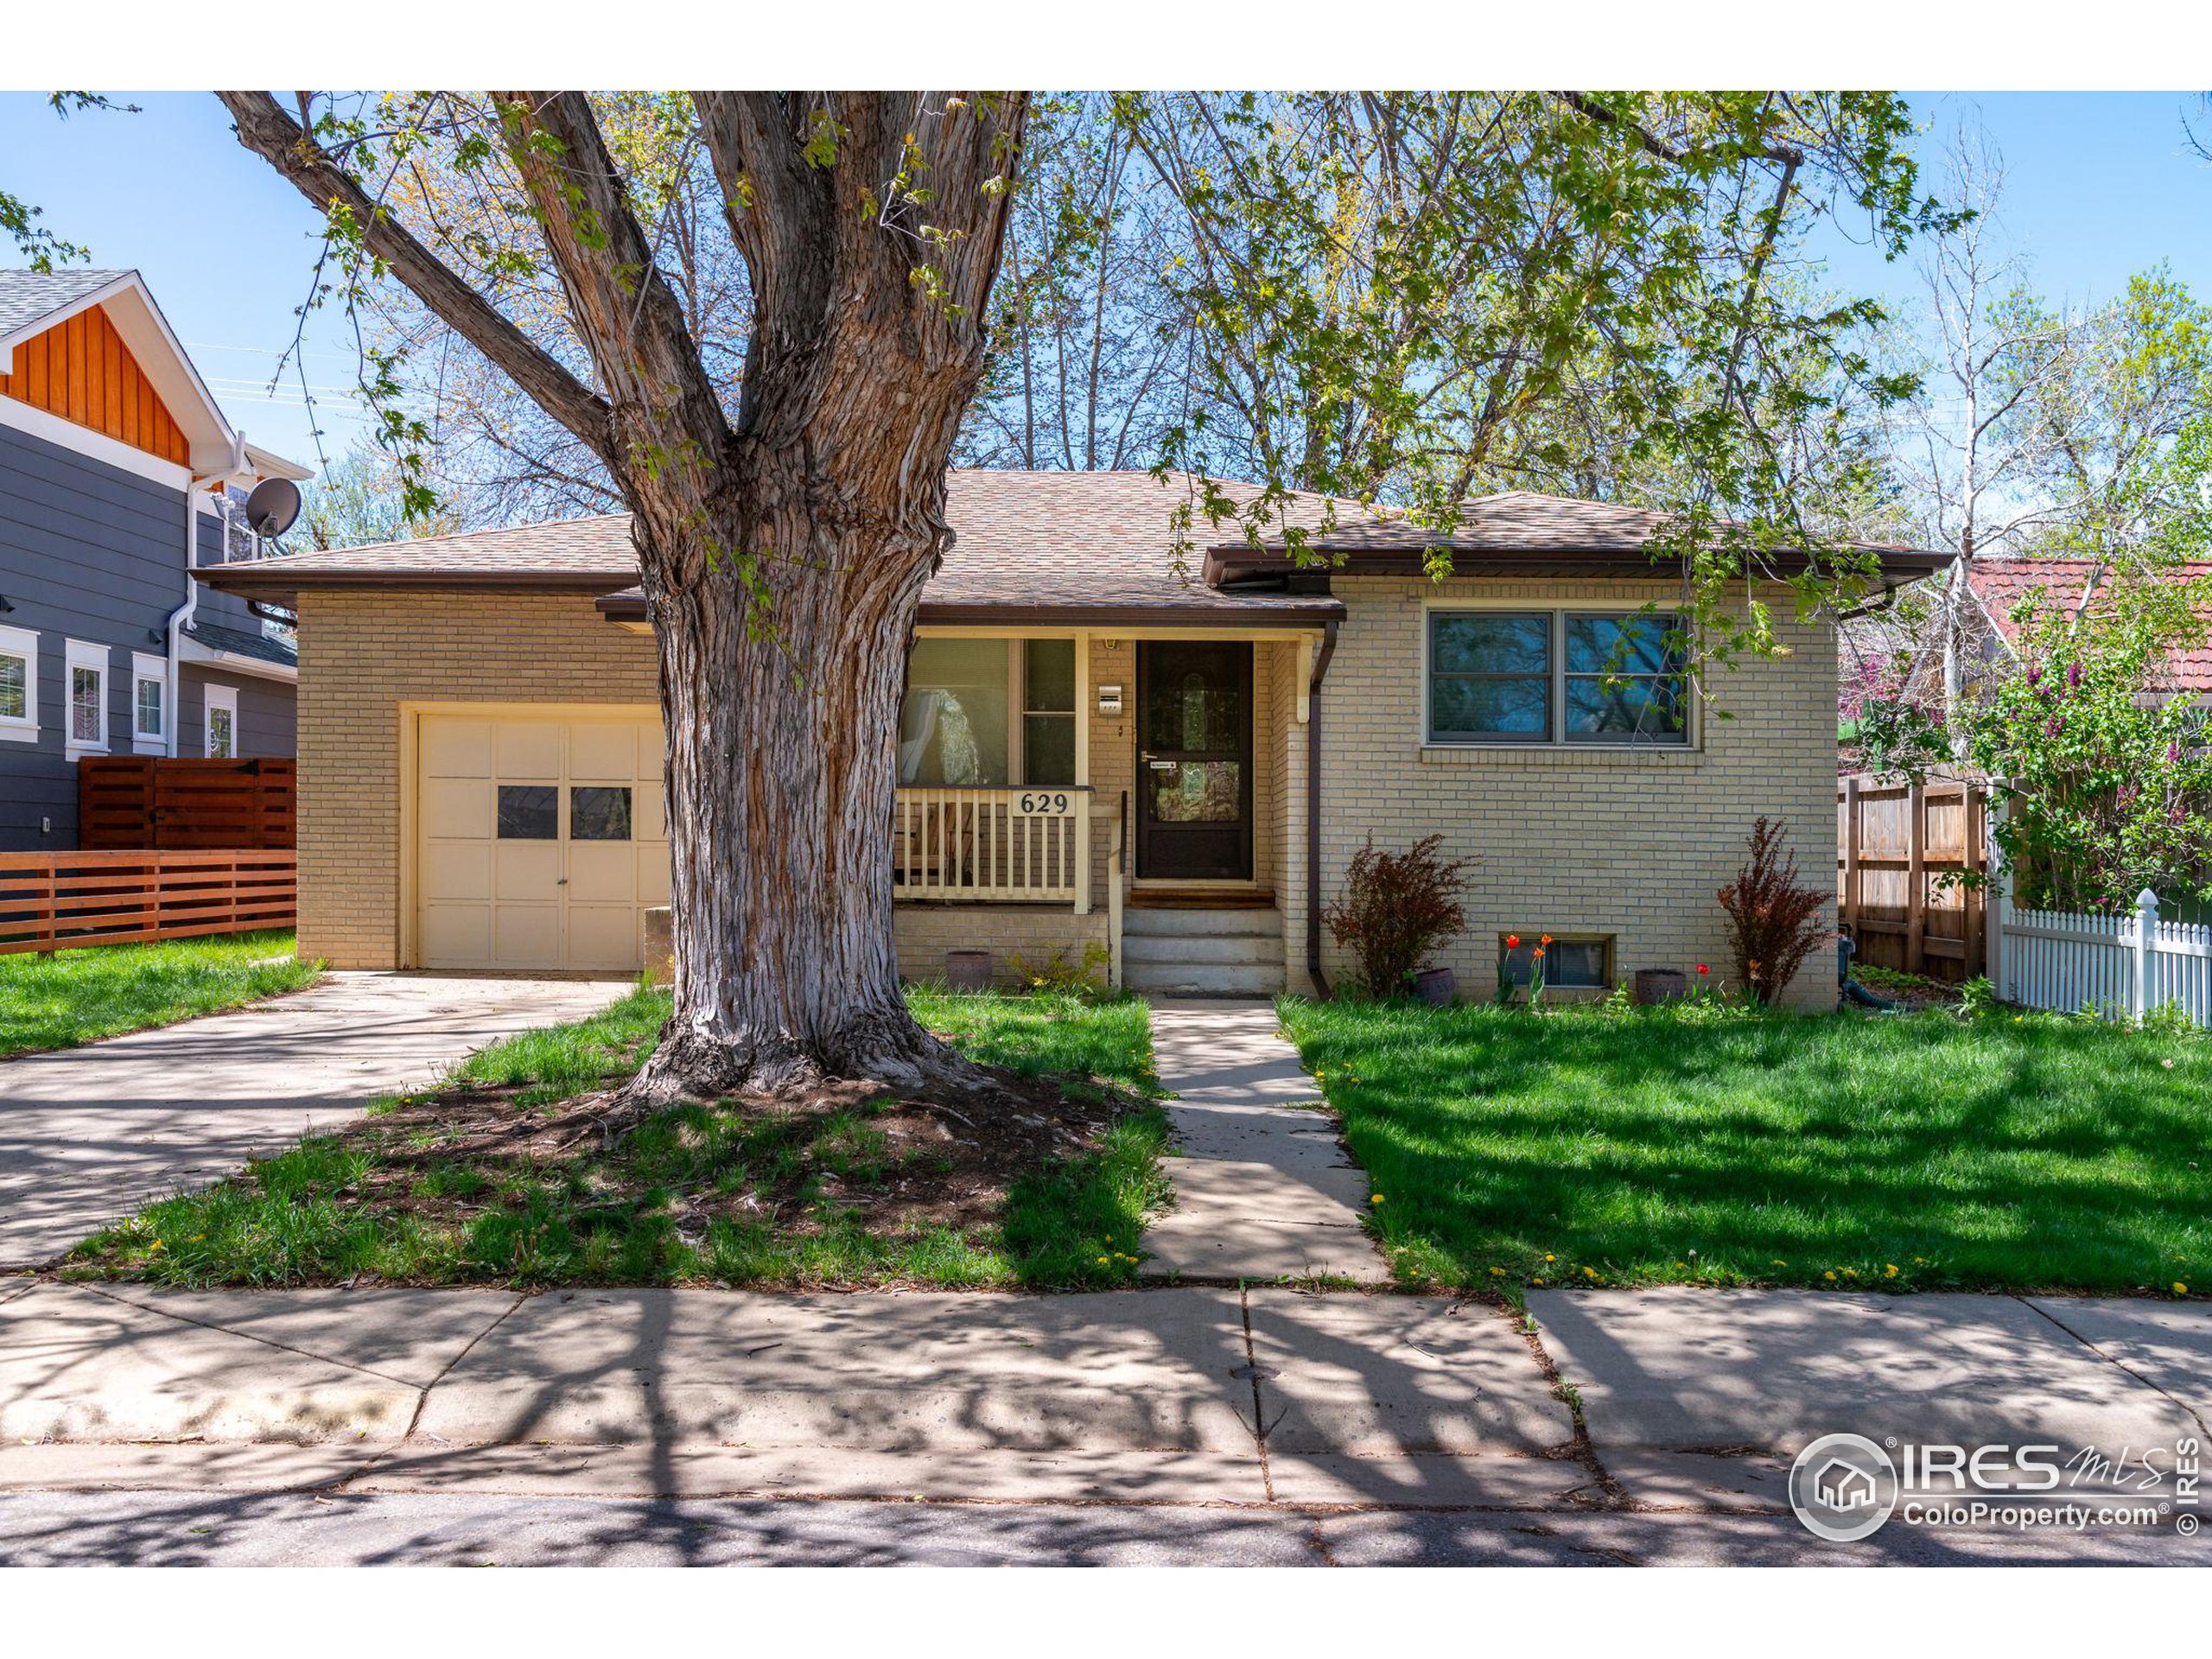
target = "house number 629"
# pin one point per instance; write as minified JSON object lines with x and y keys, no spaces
{"x":1044,"y":805}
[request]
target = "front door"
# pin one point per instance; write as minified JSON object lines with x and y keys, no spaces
{"x":1194,"y":760}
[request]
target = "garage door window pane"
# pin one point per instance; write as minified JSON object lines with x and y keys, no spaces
{"x":598,"y":814}
{"x":529,"y":813}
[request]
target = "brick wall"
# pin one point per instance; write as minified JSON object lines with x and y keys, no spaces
{"x":1633,"y":844}
{"x":361,"y":656}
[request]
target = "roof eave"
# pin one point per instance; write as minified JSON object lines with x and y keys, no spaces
{"x":630,"y":607}
{"x":1224,"y":564}
{"x":268,"y":580}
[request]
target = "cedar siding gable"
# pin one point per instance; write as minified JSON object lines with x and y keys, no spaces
{"x":81,"y":372}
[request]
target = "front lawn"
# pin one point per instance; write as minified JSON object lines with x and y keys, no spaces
{"x":80,"y":996}
{"x":1835,"y":1151}
{"x":501,"y":1176}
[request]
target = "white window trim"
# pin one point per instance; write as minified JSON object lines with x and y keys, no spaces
{"x":83,"y":653}
{"x":214,"y":696}
{"x":143,"y":669}
{"x":1693,"y":725}
{"x":23,"y":643}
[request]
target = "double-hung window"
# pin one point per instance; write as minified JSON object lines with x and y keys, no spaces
{"x":87,"y":689}
{"x":18,"y":685}
{"x":221,"y":740}
{"x":1498,"y":677}
{"x":982,"y":713}
{"x":150,"y":726}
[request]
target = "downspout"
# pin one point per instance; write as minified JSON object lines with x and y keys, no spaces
{"x":1313,"y":811}
{"x":180,"y":618}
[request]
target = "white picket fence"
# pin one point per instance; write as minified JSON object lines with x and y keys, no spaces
{"x":2123,"y":966}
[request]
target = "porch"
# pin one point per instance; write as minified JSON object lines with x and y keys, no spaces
{"x":1055,"y":785}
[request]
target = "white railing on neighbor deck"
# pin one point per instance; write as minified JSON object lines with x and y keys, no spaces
{"x":997,"y":846}
{"x":2123,"y":966}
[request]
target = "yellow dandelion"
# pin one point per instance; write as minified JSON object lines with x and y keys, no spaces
{"x":1551,"y":1258}
{"x":1890,"y":1271}
{"x":2180,"y":1289}
{"x":1377,"y":1199}
{"x":1850,"y":1273}
{"x":1830,"y":1273}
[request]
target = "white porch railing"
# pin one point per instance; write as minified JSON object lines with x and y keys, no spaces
{"x":2123,"y":966}
{"x":1011,"y":845}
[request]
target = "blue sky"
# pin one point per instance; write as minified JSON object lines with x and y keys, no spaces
{"x":2100,"y":185}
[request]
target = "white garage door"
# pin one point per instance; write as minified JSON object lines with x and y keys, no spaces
{"x":543,"y":840}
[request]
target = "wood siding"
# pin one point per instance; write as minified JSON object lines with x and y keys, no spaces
{"x":82,"y":371}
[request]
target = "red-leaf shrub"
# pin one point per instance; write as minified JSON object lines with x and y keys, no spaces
{"x":1773,"y":922}
{"x":1395,"y":908}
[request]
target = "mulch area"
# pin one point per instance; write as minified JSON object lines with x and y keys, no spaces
{"x":892,"y":1164}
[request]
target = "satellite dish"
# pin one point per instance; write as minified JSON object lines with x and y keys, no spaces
{"x":272,"y":507}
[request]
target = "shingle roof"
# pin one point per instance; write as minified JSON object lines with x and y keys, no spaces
{"x":2001,"y":585}
{"x":1095,"y":542}
{"x":26,"y":295}
{"x":1513,"y":524}
{"x":1100,"y":544}
{"x":238,"y":642}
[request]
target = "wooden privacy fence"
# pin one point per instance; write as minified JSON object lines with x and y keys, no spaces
{"x":57,"y":901}
{"x":148,"y":801}
{"x":1900,"y":848}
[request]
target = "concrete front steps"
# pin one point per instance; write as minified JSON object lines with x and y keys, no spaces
{"x":1202,"y":952}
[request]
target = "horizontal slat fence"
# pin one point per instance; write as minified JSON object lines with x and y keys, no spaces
{"x":57,"y":901}
{"x":1900,"y":849}
{"x":133,"y":801}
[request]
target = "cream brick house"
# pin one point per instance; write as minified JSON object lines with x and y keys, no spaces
{"x":1166,"y":762}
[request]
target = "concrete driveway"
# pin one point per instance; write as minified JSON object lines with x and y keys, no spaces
{"x":88,"y":1134}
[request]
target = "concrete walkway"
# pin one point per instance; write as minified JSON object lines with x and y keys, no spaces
{"x":1264,"y":1191}
{"x":88,"y":1134}
{"x":1268,"y":1398}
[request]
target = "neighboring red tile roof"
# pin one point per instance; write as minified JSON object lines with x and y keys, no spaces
{"x":2001,"y":584}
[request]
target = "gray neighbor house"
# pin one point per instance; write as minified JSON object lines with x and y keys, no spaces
{"x":118,"y":472}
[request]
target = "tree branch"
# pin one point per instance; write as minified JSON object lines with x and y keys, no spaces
{"x":263,"y":128}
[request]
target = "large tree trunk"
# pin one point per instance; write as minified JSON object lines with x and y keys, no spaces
{"x":783,"y":554}
{"x":780,"y":774}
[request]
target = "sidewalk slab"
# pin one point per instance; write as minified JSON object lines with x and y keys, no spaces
{"x":76,"y":1365}
{"x":640,"y":1470}
{"x":408,"y":1336}
{"x":1258,"y":1252}
{"x":2168,"y":1344}
{"x":1428,"y":1480}
{"x":1216,"y":1194}
{"x":181,"y":1465}
{"x":1393,"y":1377}
{"x":902,"y":1373}
{"x":87,"y":1134}
{"x":1289,"y":1140}
{"x":1687,"y":1369}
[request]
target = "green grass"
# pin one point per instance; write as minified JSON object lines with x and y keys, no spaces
{"x":80,"y":996}
{"x":668,"y":1204}
{"x":1659,"y":1146}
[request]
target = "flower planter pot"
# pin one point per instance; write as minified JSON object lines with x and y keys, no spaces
{"x":968,"y":970}
{"x":1660,"y":985}
{"x":1438,"y":987}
